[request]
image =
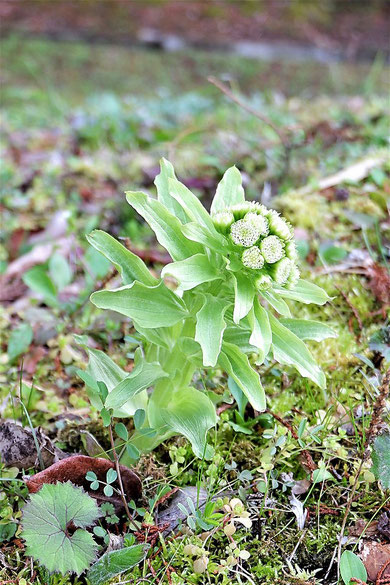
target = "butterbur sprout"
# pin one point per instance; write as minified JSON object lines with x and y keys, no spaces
{"x":233,"y":269}
{"x":270,"y":255}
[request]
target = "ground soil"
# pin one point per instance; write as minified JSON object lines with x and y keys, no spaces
{"x":352,"y":29}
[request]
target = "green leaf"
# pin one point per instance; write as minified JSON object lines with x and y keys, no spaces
{"x":150,"y":306}
{"x":244,"y":293}
{"x":261,"y":336}
{"x":163,"y":192}
{"x":276,"y":303}
{"x":143,"y":376}
{"x":103,"y":369}
{"x":191,"y":205}
{"x":290,"y":350}
{"x":122,"y":431}
{"x":19,"y":340}
{"x":111,"y":476}
{"x":106,"y":417}
{"x":381,"y":459}
{"x":236,"y":364}
{"x":60,"y":271}
{"x":305,"y":292}
{"x":192,"y":350}
{"x":238,"y":395}
{"x":115,"y":562}
{"x":132,"y":452}
{"x":166,"y":226}
{"x":352,"y":567}
{"x":191,"y":414}
{"x":198,"y":233}
{"x":40,"y":282}
{"x":46,"y":518}
{"x":129,"y":266}
{"x":97,"y":263}
{"x":192,"y":271}
{"x":139,"y":418}
{"x":229,"y":191}
{"x":210,"y":326}
{"x":363,"y":220}
{"x":331,"y":254}
{"x":306,"y":329}
{"x":319,"y":475}
{"x":239,"y":336}
{"x":160,"y":336}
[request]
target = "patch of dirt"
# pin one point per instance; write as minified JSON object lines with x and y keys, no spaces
{"x":354,"y":29}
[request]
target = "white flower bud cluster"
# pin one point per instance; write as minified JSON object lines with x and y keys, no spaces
{"x":264,"y":242}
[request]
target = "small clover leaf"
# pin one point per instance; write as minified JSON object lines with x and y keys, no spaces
{"x":53,"y":527}
{"x":108,"y":491}
{"x":111,"y":475}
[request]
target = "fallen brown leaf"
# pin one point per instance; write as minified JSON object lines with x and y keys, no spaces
{"x":75,"y":468}
{"x":375,"y":556}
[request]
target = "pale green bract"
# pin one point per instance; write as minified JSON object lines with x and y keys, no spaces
{"x":233,"y":269}
{"x":49,"y":521}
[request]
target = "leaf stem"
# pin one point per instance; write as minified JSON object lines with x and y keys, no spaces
{"x":117,"y":467}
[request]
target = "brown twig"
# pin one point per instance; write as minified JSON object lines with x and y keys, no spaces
{"x":228,"y":92}
{"x":118,"y":471}
{"x":378,"y":409}
{"x":284,"y":139}
{"x":383,"y":579}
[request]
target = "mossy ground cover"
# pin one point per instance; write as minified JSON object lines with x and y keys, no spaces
{"x":81,"y":125}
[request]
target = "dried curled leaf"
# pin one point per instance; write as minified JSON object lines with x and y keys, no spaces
{"x":54,"y":522}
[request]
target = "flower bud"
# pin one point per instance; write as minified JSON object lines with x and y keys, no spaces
{"x":244,"y":233}
{"x":291,"y":250}
{"x":280,"y":271}
{"x":279,"y":226}
{"x":252,"y":258}
{"x":259,"y":221}
{"x":293,"y":277}
{"x":272,"y":249}
{"x":222,"y":221}
{"x":239,"y":210}
{"x":264,"y":282}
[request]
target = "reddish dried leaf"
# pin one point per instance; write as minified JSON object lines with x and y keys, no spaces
{"x":75,"y":468}
{"x":375,"y":556}
{"x":33,"y":358}
{"x":379,"y":283}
